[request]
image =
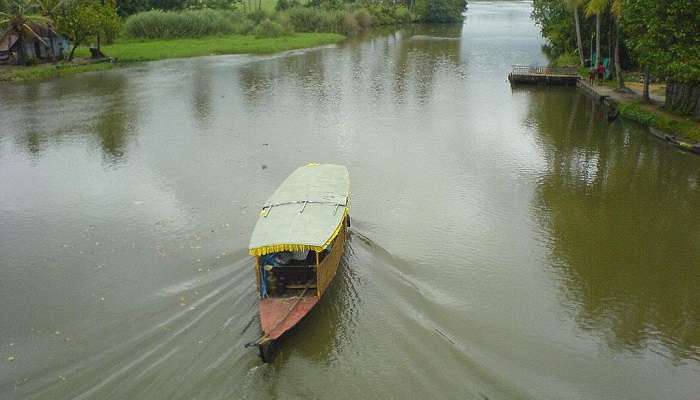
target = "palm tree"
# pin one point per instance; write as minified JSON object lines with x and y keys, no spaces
{"x":18,"y":16}
{"x":596,"y":7}
{"x":575,"y":4}
{"x":616,"y":8}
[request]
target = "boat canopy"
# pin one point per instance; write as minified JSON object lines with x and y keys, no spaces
{"x":305,"y":213}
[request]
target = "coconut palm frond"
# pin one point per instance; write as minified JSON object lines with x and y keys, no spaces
{"x":595,"y":7}
{"x":575,"y":3}
{"x":616,"y":7}
{"x":29,"y":28}
{"x":36,"y":18}
{"x":58,"y":4}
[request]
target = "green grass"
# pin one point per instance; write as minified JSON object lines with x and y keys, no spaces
{"x":38,"y":72}
{"x":648,"y":115}
{"x":150,"y":50}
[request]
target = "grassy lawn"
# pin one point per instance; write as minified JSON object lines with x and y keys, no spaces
{"x":134,"y":51}
{"x":150,"y":50}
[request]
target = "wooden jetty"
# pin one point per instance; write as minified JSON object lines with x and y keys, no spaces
{"x":524,"y":74}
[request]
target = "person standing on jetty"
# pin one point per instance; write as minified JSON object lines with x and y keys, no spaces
{"x":601,"y":72}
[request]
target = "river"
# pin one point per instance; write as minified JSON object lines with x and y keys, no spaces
{"x":506,"y":243}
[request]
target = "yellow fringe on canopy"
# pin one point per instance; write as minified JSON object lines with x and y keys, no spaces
{"x":276,"y":248}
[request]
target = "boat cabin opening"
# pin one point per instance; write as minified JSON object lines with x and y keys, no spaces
{"x":290,"y":273}
{"x":286,"y":273}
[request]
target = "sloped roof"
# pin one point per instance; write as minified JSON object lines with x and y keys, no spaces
{"x":305,"y":212}
{"x":7,"y":40}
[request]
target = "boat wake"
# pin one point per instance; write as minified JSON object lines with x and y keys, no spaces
{"x":188,"y":339}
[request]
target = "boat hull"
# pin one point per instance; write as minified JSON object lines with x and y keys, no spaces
{"x":278,"y":315}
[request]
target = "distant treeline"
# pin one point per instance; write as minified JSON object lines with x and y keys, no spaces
{"x":429,"y":11}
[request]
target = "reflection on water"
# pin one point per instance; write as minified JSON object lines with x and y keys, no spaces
{"x":201,"y":95}
{"x":623,"y":223}
{"x":507,"y":242}
{"x":116,"y":120}
{"x":59,"y":114}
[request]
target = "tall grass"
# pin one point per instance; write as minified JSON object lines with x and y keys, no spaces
{"x":345,"y":19}
{"x":158,"y":24}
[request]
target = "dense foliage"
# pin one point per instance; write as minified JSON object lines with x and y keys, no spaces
{"x":441,"y":11}
{"x":347,"y":19}
{"x":79,"y":20}
{"x":556,"y":21}
{"x":665,"y":36}
{"x":660,"y":37}
{"x":384,"y":11}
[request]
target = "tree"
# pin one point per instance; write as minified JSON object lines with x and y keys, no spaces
{"x":556,"y":21}
{"x":664,"y":38}
{"x":575,"y":4}
{"x":19,"y":16}
{"x":129,"y":7}
{"x":596,"y":7}
{"x":80,"y":20}
{"x":48,"y":10}
{"x":616,"y":9}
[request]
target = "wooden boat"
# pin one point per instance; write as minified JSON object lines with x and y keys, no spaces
{"x":297,"y":243}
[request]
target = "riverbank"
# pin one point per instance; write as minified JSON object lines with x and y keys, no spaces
{"x":125,"y":52}
{"x":683,"y":132}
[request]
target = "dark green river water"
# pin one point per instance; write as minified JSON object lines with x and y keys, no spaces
{"x":507,"y":243}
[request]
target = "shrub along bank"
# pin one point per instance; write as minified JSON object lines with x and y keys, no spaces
{"x":347,"y":20}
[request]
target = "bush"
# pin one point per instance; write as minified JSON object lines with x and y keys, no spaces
{"x":305,"y":19}
{"x":636,"y":113}
{"x":309,"y":19}
{"x":349,"y":25}
{"x":402,"y":15}
{"x":567,"y":59}
{"x":331,"y":21}
{"x":286,"y":4}
{"x":383,"y":14}
{"x":269,"y":29}
{"x":364,"y":18}
{"x":258,"y":16}
{"x":441,"y":11}
{"x":158,"y":24}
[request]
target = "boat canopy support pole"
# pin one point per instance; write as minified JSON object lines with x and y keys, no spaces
{"x":318,"y":275}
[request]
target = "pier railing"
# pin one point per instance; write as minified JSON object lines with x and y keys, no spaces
{"x":546,"y":71}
